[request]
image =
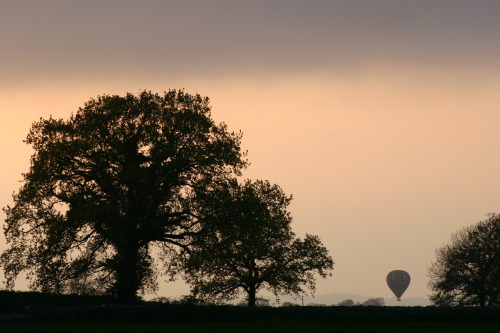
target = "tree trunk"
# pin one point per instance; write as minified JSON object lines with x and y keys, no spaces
{"x":482,"y":299}
{"x":127,"y":275}
{"x":252,"y":291}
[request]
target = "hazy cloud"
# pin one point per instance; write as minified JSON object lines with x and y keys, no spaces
{"x":104,"y":38}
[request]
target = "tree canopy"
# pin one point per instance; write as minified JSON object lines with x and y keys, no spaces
{"x":347,"y":302}
{"x":467,"y":270}
{"x":251,"y":246}
{"x":108,"y":186}
{"x":379,"y":301}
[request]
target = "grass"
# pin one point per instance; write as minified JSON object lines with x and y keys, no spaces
{"x":261,"y":327}
{"x":56,"y":313}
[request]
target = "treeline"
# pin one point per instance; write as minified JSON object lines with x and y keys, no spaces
{"x":40,"y":307}
{"x":14,"y":299}
{"x":187,"y":313}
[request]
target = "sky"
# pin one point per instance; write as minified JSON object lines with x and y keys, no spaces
{"x":380,"y":117}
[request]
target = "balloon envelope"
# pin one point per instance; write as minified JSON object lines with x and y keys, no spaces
{"x":398,"y":281}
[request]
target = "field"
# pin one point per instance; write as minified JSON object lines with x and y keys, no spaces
{"x":261,"y":327}
{"x":35,"y":312}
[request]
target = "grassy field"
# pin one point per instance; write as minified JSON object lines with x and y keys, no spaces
{"x":39,"y":313}
{"x":261,"y":327}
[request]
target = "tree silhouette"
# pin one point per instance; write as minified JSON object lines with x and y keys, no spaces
{"x":467,"y":271}
{"x":379,"y":301}
{"x":251,"y":246}
{"x":347,"y":302}
{"x":109,"y":185}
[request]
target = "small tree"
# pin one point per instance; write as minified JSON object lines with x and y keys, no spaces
{"x":108,"y":185}
{"x":252,"y":246}
{"x":379,"y":301}
{"x":287,"y":304}
{"x":347,"y":302}
{"x":467,"y":271}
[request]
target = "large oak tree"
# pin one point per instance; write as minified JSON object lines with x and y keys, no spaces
{"x":110,"y":184}
{"x":250,"y":245}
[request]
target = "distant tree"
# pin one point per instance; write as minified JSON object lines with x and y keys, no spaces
{"x":347,"y":302}
{"x":316,"y":304}
{"x":286,"y":304}
{"x":379,"y":301}
{"x":110,"y":183}
{"x":467,"y":271}
{"x":252,"y":246}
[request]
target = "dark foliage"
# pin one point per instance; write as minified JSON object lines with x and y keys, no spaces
{"x":185,"y":313}
{"x":250,"y":245}
{"x":80,"y":308}
{"x":30,"y":298}
{"x":110,"y":186}
{"x":467,"y":271}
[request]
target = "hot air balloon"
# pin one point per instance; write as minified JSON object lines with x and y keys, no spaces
{"x":398,"y":281}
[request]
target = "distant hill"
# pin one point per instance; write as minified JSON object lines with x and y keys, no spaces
{"x":333,"y":299}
